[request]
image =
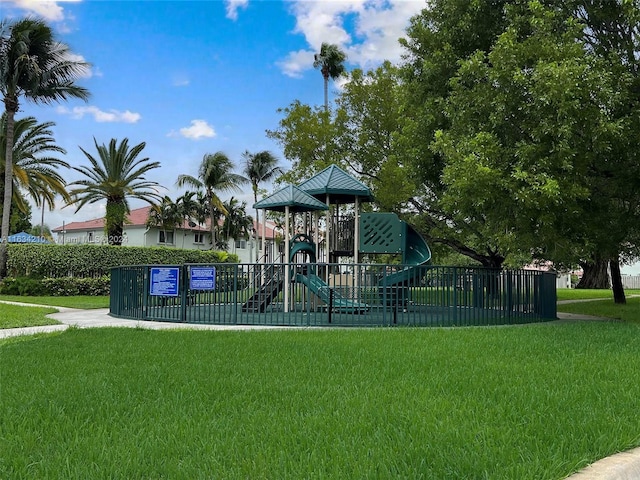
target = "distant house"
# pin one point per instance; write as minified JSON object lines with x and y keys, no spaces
{"x":137,"y":234}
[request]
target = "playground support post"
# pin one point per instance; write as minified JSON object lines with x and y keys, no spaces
{"x":328,"y":236}
{"x":287,"y":270}
{"x":356,"y":241}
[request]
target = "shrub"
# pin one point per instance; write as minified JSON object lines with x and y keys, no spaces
{"x":67,"y":286}
{"x":24,"y":286}
{"x":55,"y":261}
{"x":55,"y":287}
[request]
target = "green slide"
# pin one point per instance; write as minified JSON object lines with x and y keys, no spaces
{"x":303,"y":244}
{"x":416,"y":252}
{"x":329,"y":295}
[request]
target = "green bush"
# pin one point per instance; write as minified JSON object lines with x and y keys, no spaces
{"x":24,"y":286}
{"x":64,"y":287}
{"x":55,"y":261}
{"x":55,"y":287}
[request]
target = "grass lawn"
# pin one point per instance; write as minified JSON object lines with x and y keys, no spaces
{"x":629,"y":312}
{"x":583,"y":294}
{"x":80,"y":301}
{"x":526,"y":402}
{"x":13,"y":316}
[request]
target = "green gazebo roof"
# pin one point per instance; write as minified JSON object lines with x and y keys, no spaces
{"x":338,"y":184}
{"x":293,"y":197}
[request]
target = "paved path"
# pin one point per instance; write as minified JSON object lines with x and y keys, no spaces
{"x":100,"y":318}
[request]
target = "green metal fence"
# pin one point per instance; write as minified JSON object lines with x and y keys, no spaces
{"x":336,"y":294}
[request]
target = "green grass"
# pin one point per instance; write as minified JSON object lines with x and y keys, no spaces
{"x":583,"y":294}
{"x":528,"y":402}
{"x":81,"y":301}
{"x":629,"y":312}
{"x":13,"y":316}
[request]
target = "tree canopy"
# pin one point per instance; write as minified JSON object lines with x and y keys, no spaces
{"x":36,"y":66}
{"x":508,"y":133}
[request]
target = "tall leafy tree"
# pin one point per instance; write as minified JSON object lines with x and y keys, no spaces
{"x":611,"y":33}
{"x":36,"y":66}
{"x":330,"y":61}
{"x":437,"y":40}
{"x":307,"y":136}
{"x":534,"y":151}
{"x":215,"y":174}
{"x":116,"y":175}
{"x":260,"y":167}
{"x":35,"y":169}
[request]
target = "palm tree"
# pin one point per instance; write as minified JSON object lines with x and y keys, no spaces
{"x":117,"y":175}
{"x":237,"y":224}
{"x":215,"y":174}
{"x":201,"y":212}
{"x":34,"y":171}
{"x":260,"y":167}
{"x":189,"y":209}
{"x":164,"y":215}
{"x":34,"y":65}
{"x":330,"y":61}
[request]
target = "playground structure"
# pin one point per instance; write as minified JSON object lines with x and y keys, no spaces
{"x":321,"y":279}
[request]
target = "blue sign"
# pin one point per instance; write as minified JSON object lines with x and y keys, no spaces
{"x":164,"y":281}
{"x":202,"y":278}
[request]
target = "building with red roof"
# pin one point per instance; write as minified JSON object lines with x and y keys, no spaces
{"x":136,"y":233}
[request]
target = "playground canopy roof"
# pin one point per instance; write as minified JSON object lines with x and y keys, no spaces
{"x":292,"y":197}
{"x":338,"y":184}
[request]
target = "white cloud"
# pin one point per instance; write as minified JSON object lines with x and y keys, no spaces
{"x":50,"y":10}
{"x":180,"y":80}
{"x":100,"y":115}
{"x":233,"y":6}
{"x":198,"y":129}
{"x":367,"y":30}
{"x":296,"y":63}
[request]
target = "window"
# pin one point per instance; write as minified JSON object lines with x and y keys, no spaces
{"x":166,"y":236}
{"x":90,"y":239}
{"x":241,"y":244}
{"x":198,"y":237}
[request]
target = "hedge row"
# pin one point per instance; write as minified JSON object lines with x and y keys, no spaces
{"x":55,"y":261}
{"x":56,"y":287}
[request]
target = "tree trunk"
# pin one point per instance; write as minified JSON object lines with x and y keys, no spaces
{"x":114,"y":220}
{"x":616,"y":281}
{"x":254,"y":187}
{"x":326,"y":91}
{"x":8,"y":184}
{"x":214,"y":227}
{"x":594,"y":275}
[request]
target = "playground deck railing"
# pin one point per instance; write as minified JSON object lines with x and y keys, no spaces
{"x":331,"y":294}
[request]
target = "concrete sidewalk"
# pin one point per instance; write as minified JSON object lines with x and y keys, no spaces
{"x":100,"y":317}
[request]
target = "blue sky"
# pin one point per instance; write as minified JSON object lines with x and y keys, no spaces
{"x":196,"y":77}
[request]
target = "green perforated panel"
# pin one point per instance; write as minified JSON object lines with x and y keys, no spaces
{"x":381,"y":233}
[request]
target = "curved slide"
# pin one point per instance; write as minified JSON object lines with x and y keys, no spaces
{"x":303,"y":244}
{"x":416,"y":253}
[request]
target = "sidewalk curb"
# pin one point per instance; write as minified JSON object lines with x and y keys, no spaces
{"x":621,"y":466}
